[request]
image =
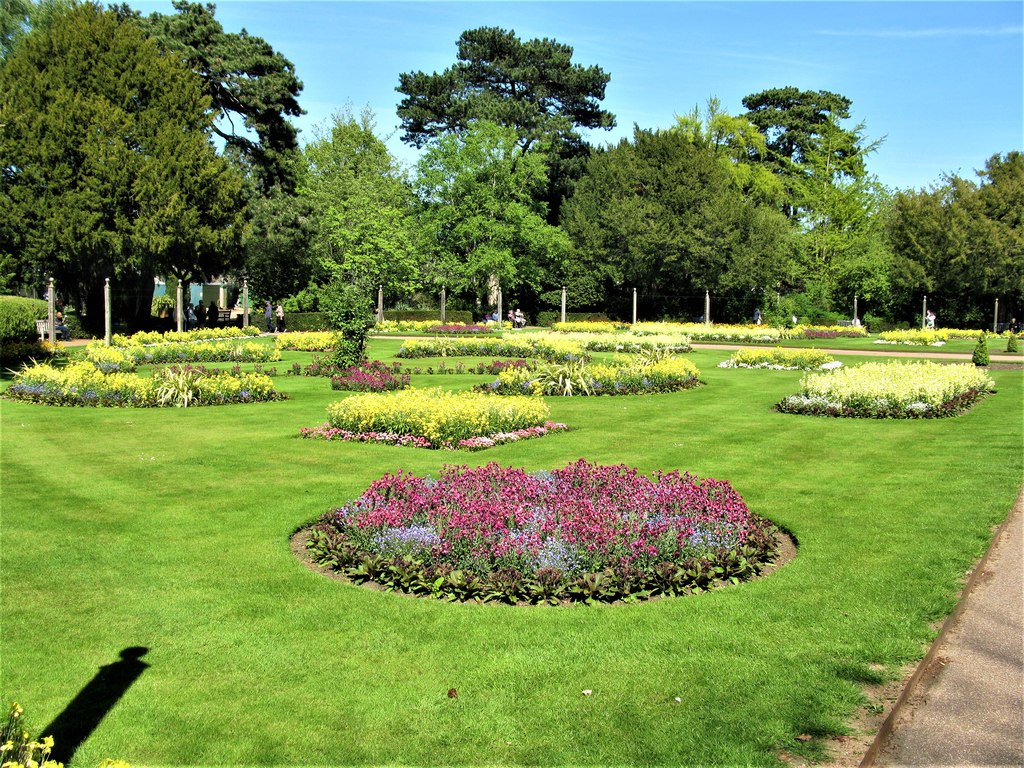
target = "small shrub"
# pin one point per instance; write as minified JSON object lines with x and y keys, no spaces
{"x":1012,"y":346}
{"x":780,"y":359}
{"x":18,"y":317}
{"x":350,"y":312}
{"x":564,"y":379}
{"x":980,"y":355}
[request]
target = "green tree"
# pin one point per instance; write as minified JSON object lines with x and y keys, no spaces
{"x":276,"y":244}
{"x":962,"y":243}
{"x":843,"y":246}
{"x":107,"y":167}
{"x":481,"y":209}
{"x":738,"y":144}
{"x":532,"y":87}
{"x":796,"y":123}
{"x":362,"y":209}
{"x":529,"y":86}
{"x":20,"y":17}
{"x":663,"y":215}
{"x":252,"y":88}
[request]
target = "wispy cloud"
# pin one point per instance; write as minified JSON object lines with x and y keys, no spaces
{"x":906,"y":34}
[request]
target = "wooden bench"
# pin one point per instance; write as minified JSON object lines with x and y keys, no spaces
{"x":43,"y":329}
{"x":223,"y":317}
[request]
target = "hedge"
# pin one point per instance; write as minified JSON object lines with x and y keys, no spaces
{"x":550,"y":318}
{"x":450,"y":316}
{"x":18,"y":317}
{"x":299,"y":321}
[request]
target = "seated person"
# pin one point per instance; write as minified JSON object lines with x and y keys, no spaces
{"x":63,"y":334}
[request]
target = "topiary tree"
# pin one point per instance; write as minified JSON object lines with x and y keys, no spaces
{"x":1011,"y":343}
{"x":349,"y":310}
{"x":980,"y":356}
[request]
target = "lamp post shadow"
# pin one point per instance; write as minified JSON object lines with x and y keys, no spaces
{"x":80,"y":718}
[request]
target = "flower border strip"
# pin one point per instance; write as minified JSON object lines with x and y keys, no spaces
{"x":326,"y":432}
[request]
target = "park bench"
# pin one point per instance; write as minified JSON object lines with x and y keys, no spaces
{"x":43,"y":329}
{"x":223,"y":317}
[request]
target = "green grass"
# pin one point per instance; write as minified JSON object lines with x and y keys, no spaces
{"x":169,"y":529}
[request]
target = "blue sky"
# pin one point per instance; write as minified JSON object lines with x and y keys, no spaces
{"x":940,"y":81}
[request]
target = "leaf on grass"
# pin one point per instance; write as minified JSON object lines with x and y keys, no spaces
{"x":804,"y":737}
{"x":453,"y":693}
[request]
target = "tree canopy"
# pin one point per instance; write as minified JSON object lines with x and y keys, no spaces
{"x":663,"y":215}
{"x":480,"y":193}
{"x":107,"y":167}
{"x":797,"y":123}
{"x":532,"y":87}
{"x":962,"y":242}
{"x":246,"y":81}
{"x":364,"y":228}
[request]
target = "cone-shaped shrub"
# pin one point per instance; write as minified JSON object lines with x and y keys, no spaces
{"x":980,"y":357}
{"x":1011,"y":343}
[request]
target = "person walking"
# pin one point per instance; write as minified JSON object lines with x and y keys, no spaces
{"x":268,"y":316}
{"x":280,"y":318}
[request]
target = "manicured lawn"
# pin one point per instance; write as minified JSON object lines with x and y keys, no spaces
{"x":169,"y":529}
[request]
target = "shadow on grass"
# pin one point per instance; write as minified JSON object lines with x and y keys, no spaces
{"x":79,"y":719}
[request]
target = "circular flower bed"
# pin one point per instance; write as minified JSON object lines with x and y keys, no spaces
{"x":584,"y":533}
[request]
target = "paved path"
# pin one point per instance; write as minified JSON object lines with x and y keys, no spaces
{"x":966,"y":707}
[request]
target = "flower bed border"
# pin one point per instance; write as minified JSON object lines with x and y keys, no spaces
{"x":478,"y":443}
{"x":802,"y":405}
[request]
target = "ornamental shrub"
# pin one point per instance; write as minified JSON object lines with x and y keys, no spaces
{"x":587,"y":327}
{"x":18,"y":338}
{"x":583,"y":533}
{"x":432,"y":315}
{"x":618,"y":377}
{"x":350,"y":311}
{"x":1011,"y":343}
{"x":152,"y":338}
{"x":307,"y":341}
{"x":18,"y":317}
{"x":227,"y":351}
{"x":980,"y":356}
{"x":547,"y":318}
